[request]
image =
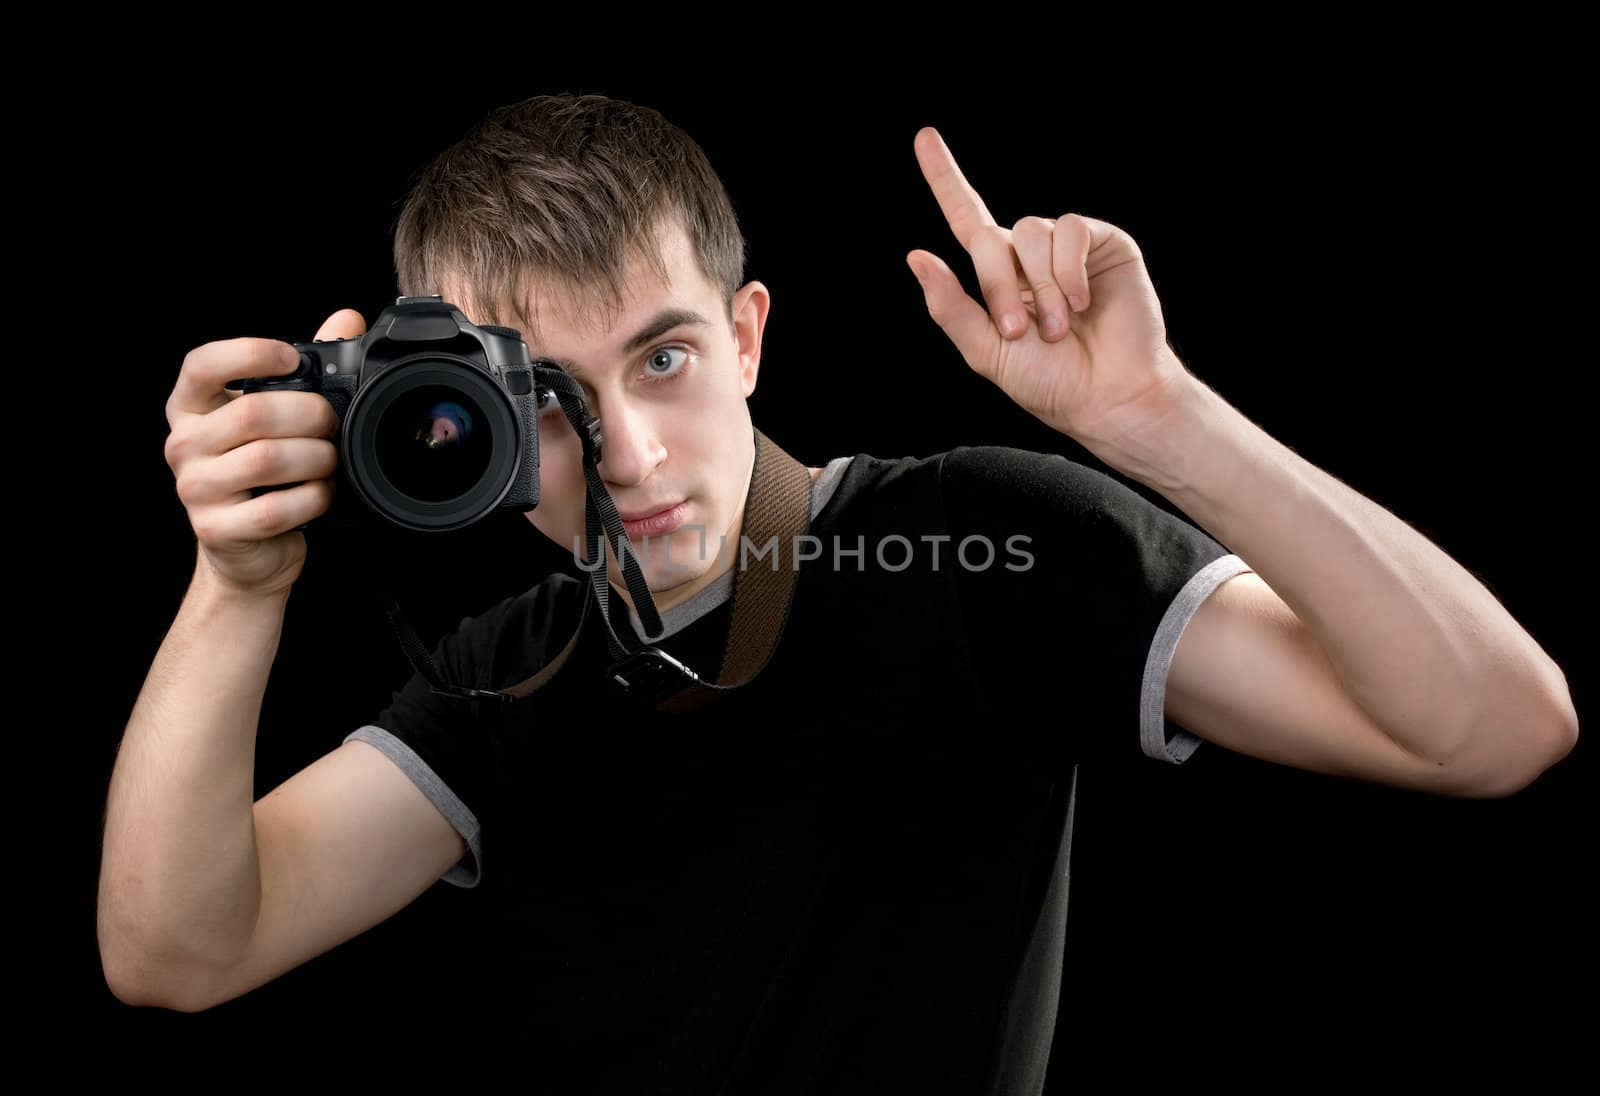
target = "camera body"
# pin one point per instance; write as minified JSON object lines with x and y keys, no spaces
{"x":438,"y":416}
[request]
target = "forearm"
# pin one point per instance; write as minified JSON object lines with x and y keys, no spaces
{"x":1425,"y":649}
{"x":180,"y":881}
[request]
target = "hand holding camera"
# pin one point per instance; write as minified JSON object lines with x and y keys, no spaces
{"x":223,"y":447}
{"x":431,"y":420}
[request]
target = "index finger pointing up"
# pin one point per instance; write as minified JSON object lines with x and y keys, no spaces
{"x":962,"y":207}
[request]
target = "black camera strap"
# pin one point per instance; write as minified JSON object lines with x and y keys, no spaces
{"x":777,"y":512}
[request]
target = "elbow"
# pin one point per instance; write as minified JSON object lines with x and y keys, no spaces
{"x":127,"y":977}
{"x":119,"y":963}
{"x":124,"y":985}
{"x":1542,"y":735}
{"x":1564,"y":739}
{"x":1562,"y":736}
{"x":138,"y":979}
{"x":1519,"y":774}
{"x":1558,"y":735}
{"x":131,"y":983}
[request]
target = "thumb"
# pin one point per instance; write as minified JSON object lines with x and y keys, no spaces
{"x":346,"y":323}
{"x":963,"y":319}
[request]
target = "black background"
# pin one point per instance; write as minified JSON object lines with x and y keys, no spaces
{"x":1359,"y":266}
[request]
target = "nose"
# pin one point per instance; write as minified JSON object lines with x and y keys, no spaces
{"x":630,"y":449}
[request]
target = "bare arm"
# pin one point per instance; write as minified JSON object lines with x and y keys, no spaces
{"x":1357,"y":627}
{"x":180,"y":885}
{"x":205,"y":894}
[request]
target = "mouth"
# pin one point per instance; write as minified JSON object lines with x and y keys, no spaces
{"x":653,"y":523}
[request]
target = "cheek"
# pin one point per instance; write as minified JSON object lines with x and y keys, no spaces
{"x":706,"y":431}
{"x":702,"y":422}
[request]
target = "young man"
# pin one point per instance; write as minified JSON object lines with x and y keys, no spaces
{"x":845,"y":875}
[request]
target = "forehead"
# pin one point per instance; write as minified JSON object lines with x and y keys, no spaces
{"x":565,"y":314}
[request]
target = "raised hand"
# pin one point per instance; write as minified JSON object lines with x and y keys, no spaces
{"x":1072,"y":331}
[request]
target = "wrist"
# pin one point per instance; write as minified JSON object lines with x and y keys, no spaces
{"x":212,"y":590}
{"x":1170,"y":440}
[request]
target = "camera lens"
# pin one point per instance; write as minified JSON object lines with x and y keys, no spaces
{"x":433,"y":443}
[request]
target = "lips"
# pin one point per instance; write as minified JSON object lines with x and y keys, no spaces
{"x":640,"y":515}
{"x":654,"y":522}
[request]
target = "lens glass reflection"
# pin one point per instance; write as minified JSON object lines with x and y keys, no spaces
{"x":433,"y":443}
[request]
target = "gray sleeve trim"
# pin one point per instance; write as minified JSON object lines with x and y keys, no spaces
{"x":468,"y":870}
{"x":827,"y":482}
{"x":1153,"y":695}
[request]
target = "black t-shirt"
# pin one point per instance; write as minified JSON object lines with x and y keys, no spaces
{"x":848,"y":875}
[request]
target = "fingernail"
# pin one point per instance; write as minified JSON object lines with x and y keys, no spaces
{"x":1052,"y":325}
{"x":1011,"y":325}
{"x":1077,"y":302}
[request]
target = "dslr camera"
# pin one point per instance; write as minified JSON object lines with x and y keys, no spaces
{"x":438,"y":415}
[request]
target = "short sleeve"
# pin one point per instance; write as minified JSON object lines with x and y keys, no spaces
{"x":437,"y":741}
{"x":1074,"y":589}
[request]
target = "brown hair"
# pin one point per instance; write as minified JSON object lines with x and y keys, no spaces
{"x":558,"y":191}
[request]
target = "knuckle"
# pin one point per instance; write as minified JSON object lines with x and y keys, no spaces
{"x":253,"y":413}
{"x":204,"y":524}
{"x":175,"y":449}
{"x":320,"y":418}
{"x":185,"y":483}
{"x":261,"y":458}
{"x":965,"y":223}
{"x":264,"y":516}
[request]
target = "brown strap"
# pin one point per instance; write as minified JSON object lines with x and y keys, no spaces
{"x":777,"y":513}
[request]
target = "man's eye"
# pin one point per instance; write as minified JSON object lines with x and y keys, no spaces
{"x":660,"y":365}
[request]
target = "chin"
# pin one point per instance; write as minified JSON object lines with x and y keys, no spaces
{"x":679,"y":566}
{"x":661,"y":579}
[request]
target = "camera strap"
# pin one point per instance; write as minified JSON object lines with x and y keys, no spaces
{"x":777,"y":512}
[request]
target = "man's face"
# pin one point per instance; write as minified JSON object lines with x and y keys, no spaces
{"x":676,"y":431}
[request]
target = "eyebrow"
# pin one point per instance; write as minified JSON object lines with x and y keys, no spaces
{"x":658,"y":325}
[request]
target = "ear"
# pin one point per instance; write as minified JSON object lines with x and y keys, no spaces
{"x":750,"y":307}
